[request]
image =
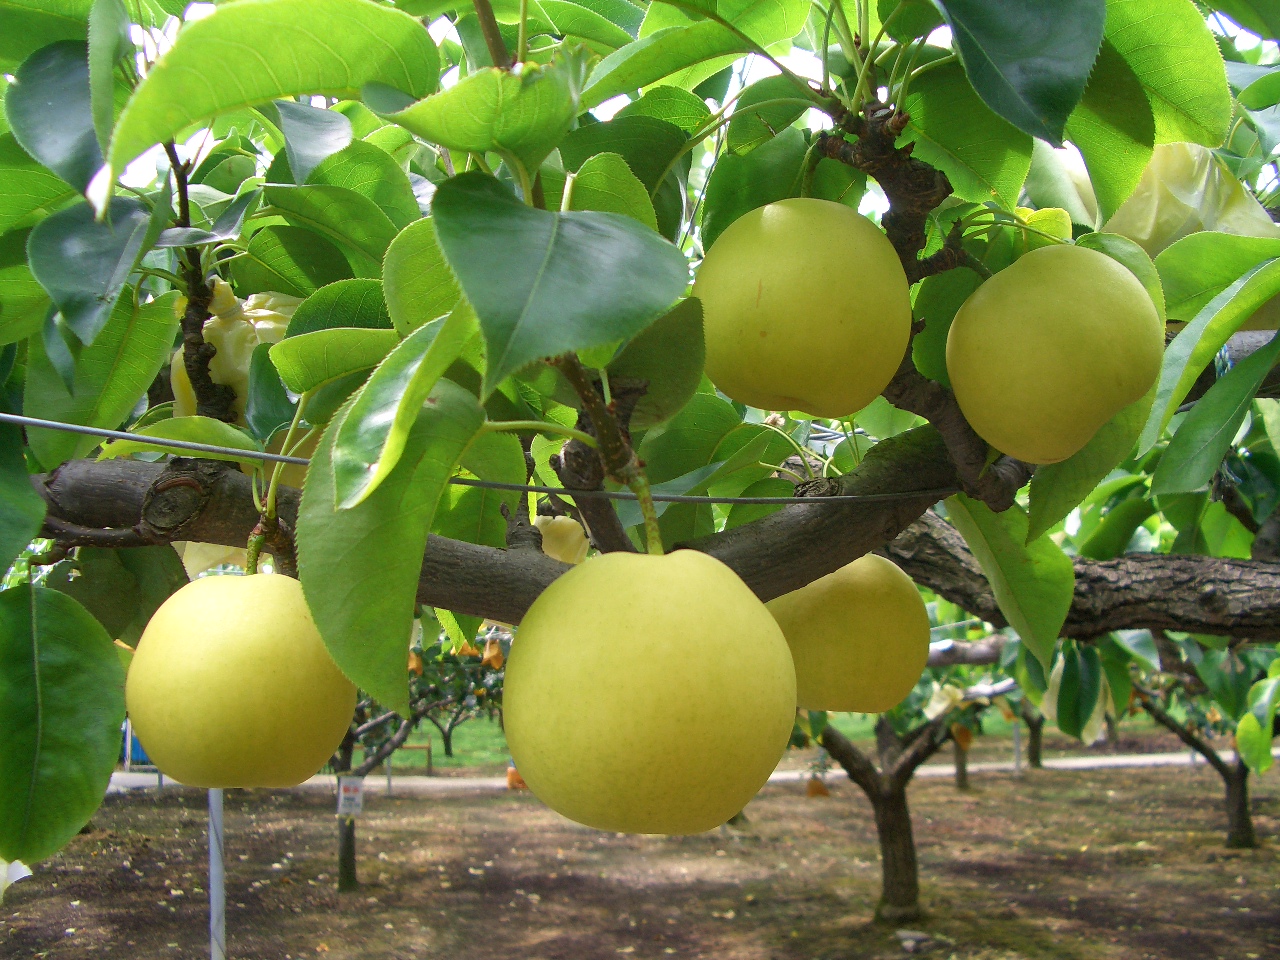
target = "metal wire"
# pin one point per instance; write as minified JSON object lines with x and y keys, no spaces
{"x":240,"y":454}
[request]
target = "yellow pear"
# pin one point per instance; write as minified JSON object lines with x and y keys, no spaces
{"x":805,"y":307}
{"x":231,"y":685}
{"x":1051,"y":348}
{"x":648,"y":694}
{"x":859,"y":637}
{"x":563,"y":538}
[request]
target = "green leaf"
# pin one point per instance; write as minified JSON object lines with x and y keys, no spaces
{"x":474,"y":514}
{"x":228,"y":225}
{"x":83,"y":263}
{"x":344,"y":303}
{"x":544,"y":283}
{"x":373,"y":434}
{"x":23,"y":302}
{"x":983,"y":156}
{"x":1114,"y":129}
{"x":61,"y":707}
{"x":673,"y":105}
{"x":689,"y":440}
{"x":739,"y":184}
{"x":750,"y":128}
{"x":110,"y":377}
{"x":605,"y":183}
{"x":30,"y":191}
{"x":331,"y":47}
{"x":310,"y":135}
{"x":577,"y":20}
{"x":417,"y":281}
{"x":50,"y":113}
{"x":21,"y":508}
{"x":308,"y":360}
{"x":1200,"y":340}
{"x":938,"y":298}
{"x":1228,"y":677}
{"x":372,"y":173}
{"x":338,"y":214}
{"x":1196,"y":450}
{"x":1023,"y":64}
{"x":290,"y":260}
{"x":28,"y":25}
{"x":669,"y":357}
{"x":109,"y":42}
{"x":1079,"y":687}
{"x":360,"y":567}
{"x":1171,"y":51}
{"x":120,"y":588}
{"x":1033,"y":582}
{"x":1260,"y":17}
{"x":1058,"y":488}
{"x":1198,"y":267}
{"x":523,"y":115}
{"x":267,"y":408}
{"x":193,"y":430}
{"x":1254,"y":732}
{"x":1111,"y":537}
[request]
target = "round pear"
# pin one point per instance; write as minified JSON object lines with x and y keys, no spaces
{"x":231,"y":685}
{"x":859,"y":637}
{"x":648,"y":694}
{"x":1051,"y":348}
{"x":805,"y":307}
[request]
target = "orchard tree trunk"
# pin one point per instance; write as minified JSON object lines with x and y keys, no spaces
{"x":446,"y":736}
{"x":1035,"y":735}
{"x":900,"y":891}
{"x":962,"y":765}
{"x":1240,"y":833}
{"x":347,"y":879}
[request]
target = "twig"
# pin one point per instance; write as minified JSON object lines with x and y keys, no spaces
{"x":498,"y":52}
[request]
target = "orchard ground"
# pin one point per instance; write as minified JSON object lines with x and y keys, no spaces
{"x":1080,"y":865}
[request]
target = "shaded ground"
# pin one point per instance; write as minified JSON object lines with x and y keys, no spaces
{"x":1105,"y":865}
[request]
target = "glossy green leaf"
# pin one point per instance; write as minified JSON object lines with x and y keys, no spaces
{"x":523,"y":115}
{"x":109,"y":42}
{"x":1261,"y":17}
{"x":938,"y":298}
{"x":1198,"y":267}
{"x":753,"y":125}
{"x":1058,"y":488}
{"x":674,"y":105}
{"x":110,"y":377}
{"x":1114,"y":129}
{"x":21,"y":508}
{"x":268,"y":408}
{"x":577,"y":20}
{"x":1228,"y":677}
{"x":30,"y":191}
{"x":668,"y":357}
{"x":606,"y":183}
{"x":28,"y":25}
{"x":1023,"y":64}
{"x":417,"y":281}
{"x":226,"y":227}
{"x":338,"y":214}
{"x":1195,"y":346}
{"x":1079,"y":687}
{"x":1196,"y":450}
{"x":83,"y":263}
{"x":50,"y":113}
{"x":360,"y":567}
{"x":739,"y":184}
{"x":544,"y":283}
{"x":689,"y":440}
{"x":193,"y":429}
{"x":916,"y":18}
{"x":331,"y":47}
{"x":373,"y":434}
{"x":1255,"y":730}
{"x":120,"y":588}
{"x":1171,"y":51}
{"x":310,"y":135}
{"x":290,"y":260}
{"x":309,"y":360}
{"x":372,"y":173}
{"x":1111,"y":537}
{"x":344,"y":303}
{"x":985,"y":157}
{"x":1033,"y":582}
{"x":475,"y":514}
{"x":23,"y":302}
{"x":61,"y":707}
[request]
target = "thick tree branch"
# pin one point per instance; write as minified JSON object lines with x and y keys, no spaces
{"x":976,"y":653}
{"x":1197,"y":594}
{"x":856,"y":764}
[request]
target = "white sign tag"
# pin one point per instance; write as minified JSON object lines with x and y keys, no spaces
{"x":350,"y":796}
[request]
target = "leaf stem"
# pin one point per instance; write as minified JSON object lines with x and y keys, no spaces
{"x":541,"y":426}
{"x":522,"y":42}
{"x":652,"y":532}
{"x":269,"y":507}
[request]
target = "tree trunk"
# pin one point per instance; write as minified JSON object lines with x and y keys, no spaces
{"x":1240,"y":835}
{"x":1035,"y":735}
{"x":900,"y":894}
{"x":447,"y":736}
{"x":1113,"y":732}
{"x":962,"y":765}
{"x":347,"y":880}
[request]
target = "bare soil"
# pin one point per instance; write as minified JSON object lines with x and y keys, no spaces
{"x":1105,"y":865}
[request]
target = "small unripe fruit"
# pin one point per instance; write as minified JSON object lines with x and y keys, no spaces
{"x":805,"y":307}
{"x":563,"y":538}
{"x":231,"y":685}
{"x":859,"y":637}
{"x":648,"y":694}
{"x":1051,"y":348}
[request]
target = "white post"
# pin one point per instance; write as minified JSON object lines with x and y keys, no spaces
{"x":388,"y":766}
{"x":1017,"y":747}
{"x":128,"y":745}
{"x":217,"y":881}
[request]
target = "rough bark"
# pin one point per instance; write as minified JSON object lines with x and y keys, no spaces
{"x":347,"y":879}
{"x":961,"y":756}
{"x":900,"y":892}
{"x":1240,"y":833}
{"x":1035,"y":735}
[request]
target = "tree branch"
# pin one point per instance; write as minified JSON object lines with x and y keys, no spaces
{"x":492,"y":35}
{"x":1161,"y":716}
{"x":856,"y":764}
